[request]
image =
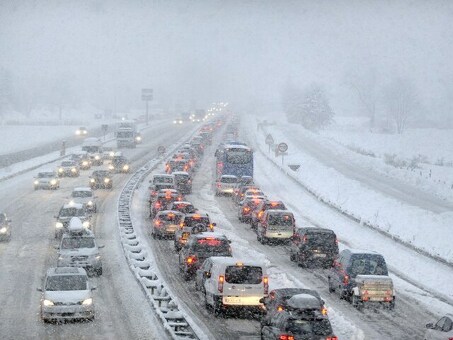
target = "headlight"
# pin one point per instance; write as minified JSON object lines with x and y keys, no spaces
{"x":47,"y":303}
{"x":87,"y":302}
{"x":106,"y":180}
{"x":85,"y":163}
{"x":138,"y":138}
{"x":92,"y":180}
{"x":174,"y":122}
{"x":97,"y":157}
{"x":126,"y":167}
{"x":53,"y":182}
{"x":3,"y":230}
{"x":90,"y":203}
{"x":73,"y":170}
{"x":36,"y":182}
{"x":86,"y":224}
{"x":77,"y":132}
{"x":98,"y":257}
{"x":58,"y":225}
{"x":111,"y":167}
{"x":60,"y":170}
{"x":111,"y":154}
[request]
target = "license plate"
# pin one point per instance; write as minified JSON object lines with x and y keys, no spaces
{"x":319,"y":255}
{"x":232,"y":299}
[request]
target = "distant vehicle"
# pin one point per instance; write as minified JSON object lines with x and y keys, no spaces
{"x":192,"y":224}
{"x":178,"y":121}
{"x":246,"y":207}
{"x":82,"y":158}
{"x":183,"y":207}
{"x":361,"y":277}
{"x":126,"y":133}
{"x":165,"y":224}
{"x":81,"y":131}
{"x":258,"y":212}
{"x":442,"y":329}
{"x":276,"y":226}
{"x":160,"y":181}
{"x":78,"y":248}
{"x":69,"y":168}
{"x":225,"y":184}
{"x":85,"y":195}
{"x":66,"y":295}
{"x":93,"y":146}
{"x":233,"y":283}
{"x":198,"y":248}
{"x":163,"y":200}
{"x":119,"y":164}
{"x":108,"y":152}
{"x":183,"y":182}
{"x":101,"y":179}
{"x":46,"y":180}
{"x":234,"y":159}
{"x":5,"y":227}
{"x":312,"y":246}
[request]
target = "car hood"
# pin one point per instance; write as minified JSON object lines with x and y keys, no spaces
{"x":68,"y":296}
{"x":79,"y":252}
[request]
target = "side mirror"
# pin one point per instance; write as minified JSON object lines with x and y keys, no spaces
{"x":430,"y":325}
{"x":229,"y":241}
{"x":101,"y":246}
{"x":214,"y":224}
{"x":93,"y":288}
{"x":261,"y":300}
{"x":207,"y":275}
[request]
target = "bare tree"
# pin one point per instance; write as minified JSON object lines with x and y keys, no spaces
{"x":401,"y":101}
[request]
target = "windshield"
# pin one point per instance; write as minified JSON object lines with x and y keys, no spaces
{"x":228,"y":180}
{"x":124,"y":134}
{"x":77,"y":242}
{"x":46,"y":174}
{"x":91,"y":149}
{"x":66,"y":212}
{"x":167,"y":180}
{"x":321,"y":238}
{"x":212,"y":245}
{"x":82,"y":193}
{"x":238,"y":156}
{"x":368,"y":264}
{"x":243,"y":274}
{"x":170,"y":218}
{"x":66,"y":282}
{"x":309,"y":327}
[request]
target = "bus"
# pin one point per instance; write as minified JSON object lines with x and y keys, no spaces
{"x":234,"y":159}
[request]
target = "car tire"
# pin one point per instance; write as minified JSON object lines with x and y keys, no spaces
{"x":98,"y":273}
{"x":206,"y":304}
{"x":331,"y":288}
{"x":356,"y":302}
{"x":217,"y":309}
{"x":292,"y":257}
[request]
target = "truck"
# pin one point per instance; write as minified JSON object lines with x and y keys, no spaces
{"x":126,"y":134}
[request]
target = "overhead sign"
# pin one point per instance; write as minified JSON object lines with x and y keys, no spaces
{"x":147,"y":94}
{"x":282,"y":147}
{"x":269,"y":139}
{"x":161,"y":149}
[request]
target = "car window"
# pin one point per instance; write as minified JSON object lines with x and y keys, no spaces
{"x":243,"y":274}
{"x":440,"y":323}
{"x":211,"y":245}
{"x":368,"y":264}
{"x":66,"y":283}
{"x":192,"y":221}
{"x":46,"y":174}
{"x":314,"y":327}
{"x":228,"y":180}
{"x":320,"y":238}
{"x":77,"y":242}
{"x":280,"y":219}
{"x":82,"y":193}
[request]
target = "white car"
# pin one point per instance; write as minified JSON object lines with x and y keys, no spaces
{"x":66,"y":295}
{"x":5,"y":227}
{"x":46,"y":180}
{"x":441,"y":330}
{"x":225,"y":184}
{"x":85,"y":195}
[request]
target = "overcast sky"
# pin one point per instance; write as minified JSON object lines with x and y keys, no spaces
{"x":239,"y":51}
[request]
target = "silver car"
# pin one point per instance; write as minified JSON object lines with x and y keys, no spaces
{"x":85,"y":195}
{"x":5,"y":228}
{"x":46,"y":180}
{"x":66,"y":295}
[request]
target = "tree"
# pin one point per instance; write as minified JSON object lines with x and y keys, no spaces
{"x":401,"y":101}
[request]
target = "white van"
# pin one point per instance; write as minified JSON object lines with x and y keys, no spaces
{"x":231,"y":282}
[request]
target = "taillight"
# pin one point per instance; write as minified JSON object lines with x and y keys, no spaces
{"x":246,"y":209}
{"x":191,"y":259}
{"x":266,"y":284}
{"x":218,"y":185}
{"x":211,"y":226}
{"x":157,"y":205}
{"x":304,"y":239}
{"x":181,"y":225}
{"x":157,"y":223}
{"x":280,"y":309}
{"x":332,"y":338}
{"x":324,"y":310}
{"x":286,"y":337}
{"x":346,"y":279}
{"x":220,"y":283}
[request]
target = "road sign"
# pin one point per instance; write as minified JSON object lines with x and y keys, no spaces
{"x":294,"y":167}
{"x":161,"y":150}
{"x":282,"y":147}
{"x":147,"y":94}
{"x":269,"y":139}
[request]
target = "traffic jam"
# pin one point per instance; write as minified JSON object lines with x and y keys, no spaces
{"x":229,"y":283}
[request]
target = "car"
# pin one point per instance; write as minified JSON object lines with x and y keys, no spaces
{"x":163,"y":199}
{"x":108,"y":152}
{"x":225,"y":185}
{"x":184,"y":207}
{"x":165,"y":224}
{"x":101,"y":179}
{"x":68,"y":168}
{"x":161,"y":181}
{"x":83,"y":159}
{"x":96,"y":158}
{"x":239,"y":191}
{"x":5,"y":227}
{"x":68,"y":211}
{"x":246,"y":207}
{"x":46,"y":180}
{"x":361,"y":276}
{"x":67,"y":295}
{"x":78,"y":248}
{"x":312,"y":246}
{"x":276,"y":226}
{"x":234,"y":283}
{"x":183,"y":182}
{"x":198,"y":248}
{"x":192,"y":224}
{"x":138,"y":138}
{"x":442,"y":329}
{"x":258,"y":212}
{"x":299,"y":323}
{"x":277,"y":301}
{"x":177,"y":165}
{"x":85,"y":195}
{"x":81,"y":131}
{"x":119,"y":164}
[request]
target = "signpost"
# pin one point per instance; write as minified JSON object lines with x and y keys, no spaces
{"x":147,"y":96}
{"x":269,"y":141}
{"x":281,"y":149}
{"x":105,"y":128}
{"x":161,"y":150}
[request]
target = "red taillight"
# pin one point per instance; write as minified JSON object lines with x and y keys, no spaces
{"x":286,"y":337}
{"x":220,"y":283}
{"x":304,"y":239}
{"x":157,"y":205}
{"x":246,"y":209}
{"x":191,"y":259}
{"x":266,"y":285}
{"x":346,"y":279}
{"x":280,"y":309}
{"x":332,"y":338}
{"x":219,"y":185}
{"x":336,"y":241}
{"x":324,"y":310}
{"x":157,"y":223}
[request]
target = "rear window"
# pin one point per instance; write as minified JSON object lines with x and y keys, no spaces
{"x":162,"y":180}
{"x":276,"y":206}
{"x":193,"y":221}
{"x":243,"y":274}
{"x":211,"y":245}
{"x":170,"y":218}
{"x":280,"y":219}
{"x":321,"y":238}
{"x":228,"y":180}
{"x":309,"y":327}
{"x":367,"y":264}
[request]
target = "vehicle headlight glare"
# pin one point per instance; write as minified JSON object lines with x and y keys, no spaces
{"x":97,"y":157}
{"x":126,"y":167}
{"x":86,"y":224}
{"x":3,"y":230}
{"x":59,"y":225}
{"x":73,"y":170}
{"x":106,"y":180}
{"x":87,"y":302}
{"x":60,"y":170}
{"x":90,"y":203}
{"x":85,"y":163}
{"x":53,"y":182}
{"x":92,"y":180}
{"x":47,"y":303}
{"x":111,"y":167}
{"x":36,"y":182}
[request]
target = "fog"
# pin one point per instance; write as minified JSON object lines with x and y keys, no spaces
{"x":101,"y":53}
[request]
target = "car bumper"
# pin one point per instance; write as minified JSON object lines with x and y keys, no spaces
{"x":67,"y":312}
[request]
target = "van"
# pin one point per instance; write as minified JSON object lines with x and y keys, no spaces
{"x":276,"y":226}
{"x":234,"y":283}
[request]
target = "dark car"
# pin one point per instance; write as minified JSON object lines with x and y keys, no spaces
{"x":305,"y":324}
{"x":239,"y":191}
{"x":198,"y":248}
{"x":101,"y":179}
{"x":183,"y":182}
{"x":166,"y":223}
{"x":246,"y":207}
{"x":163,"y":200}
{"x":277,"y":301}
{"x":258,"y":213}
{"x":183,"y":207}
{"x":177,"y":165}
{"x":119,"y":164}
{"x":5,"y":227}
{"x":314,"y":247}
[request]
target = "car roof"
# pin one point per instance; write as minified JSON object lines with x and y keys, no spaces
{"x":82,"y":189}
{"x":228,"y":176}
{"x":165,"y":212}
{"x":162,"y":175}
{"x":66,"y":271}
{"x":180,"y":173}
{"x":359,"y":251}
{"x":279,"y":211}
{"x":197,"y":213}
{"x":213,"y":234}
{"x":316,"y":230}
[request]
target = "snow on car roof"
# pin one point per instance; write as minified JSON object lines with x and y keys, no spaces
{"x":180,"y":173}
{"x":73,"y":205}
{"x":214,"y":234}
{"x":228,"y":176}
{"x":65,"y":271}
{"x":361,"y":251}
{"x":279,"y":211}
